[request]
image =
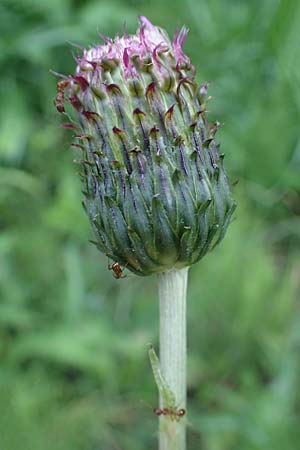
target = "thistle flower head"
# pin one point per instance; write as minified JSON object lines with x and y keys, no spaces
{"x":154,"y":183}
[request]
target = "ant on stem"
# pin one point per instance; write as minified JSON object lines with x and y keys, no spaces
{"x":172,"y":413}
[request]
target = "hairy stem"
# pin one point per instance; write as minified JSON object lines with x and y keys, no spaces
{"x":172,"y":288}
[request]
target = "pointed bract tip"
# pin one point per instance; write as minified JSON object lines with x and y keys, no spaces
{"x":146,"y":23}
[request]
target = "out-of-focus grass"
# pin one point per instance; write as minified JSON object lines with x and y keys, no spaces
{"x":74,"y":370}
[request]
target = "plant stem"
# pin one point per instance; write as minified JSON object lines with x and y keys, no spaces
{"x":172,"y":288}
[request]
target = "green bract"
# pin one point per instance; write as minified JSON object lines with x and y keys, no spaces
{"x":155,"y":188}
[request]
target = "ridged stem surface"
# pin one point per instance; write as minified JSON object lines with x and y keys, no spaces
{"x":172,"y":294}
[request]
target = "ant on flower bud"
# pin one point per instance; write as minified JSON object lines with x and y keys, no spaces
{"x":117,"y":270}
{"x":60,"y":98}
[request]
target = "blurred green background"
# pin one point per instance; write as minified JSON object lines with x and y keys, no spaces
{"x":74,"y":373}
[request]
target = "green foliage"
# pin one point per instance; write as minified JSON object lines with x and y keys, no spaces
{"x":167,"y":395}
{"x":74,"y":369}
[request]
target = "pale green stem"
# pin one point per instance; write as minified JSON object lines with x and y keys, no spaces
{"x":172,"y":288}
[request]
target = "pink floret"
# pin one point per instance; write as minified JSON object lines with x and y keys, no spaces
{"x":178,"y":41}
{"x":148,"y":42}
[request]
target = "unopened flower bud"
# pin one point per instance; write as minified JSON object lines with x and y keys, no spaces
{"x":155,"y":188}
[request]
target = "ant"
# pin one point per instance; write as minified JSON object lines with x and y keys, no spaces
{"x":117,"y":270}
{"x":172,"y":413}
{"x":60,"y":98}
